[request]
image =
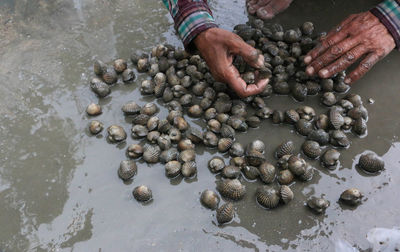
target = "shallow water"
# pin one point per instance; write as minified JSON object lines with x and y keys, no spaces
{"x":59,"y":189}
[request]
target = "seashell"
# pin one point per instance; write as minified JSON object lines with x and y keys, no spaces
{"x":205,"y":103}
{"x":174,"y":135}
{"x":199,"y":88}
{"x":278,"y":117}
{"x":167,"y":95}
{"x":297,"y":165}
{"x":134,"y":151}
{"x":330,"y":158}
{"x":267,"y":196}
{"x":299,"y":92}
{"x":216,"y":164}
{"x":360,"y":126}
{"x":173,"y":114}
{"x":154,"y":69}
{"x":264,"y":113}
{"x":227,"y":131}
{"x":291,"y":116}
{"x":267,"y":172}
{"x":295,"y":50}
{"x":230,"y":172}
{"x":164,"y":142}
{"x":338,"y":138}
{"x":210,"y":139}
{"x":100,"y":88}
{"x":174,"y":106}
{"x":116,"y":133}
{"x":258,"y":103}
{"x":313,"y":88}
{"x":110,"y":76}
{"x":223,"y":105}
{"x":281,"y":87}
{"x":180,"y":123}
{"x":286,"y":194}
{"x":209,"y":93}
{"x":291,"y":36}
{"x":120,"y":65}
{"x":304,"y":127}
{"x":128,"y":75}
{"x":127,"y":169}
{"x":225,"y":213}
{"x":283,"y":162}
{"x":214,"y":125}
{"x":355,"y":99}
{"x":224,"y":144}
{"x":236,"y":150}
{"x":149,"y":109}
{"x":285,"y":177}
{"x":231,"y":189}
{"x":169,"y":155}
{"x":160,"y":79}
{"x":371,"y":163}
{"x":151,"y":154}
{"x":189,"y":169}
{"x":307,"y":28}
{"x":306,"y":112}
{"x":265,"y":73}
{"x":147,"y":87}
{"x":358,"y":112}
{"x":336,"y":119}
{"x":209,"y":199}
{"x":195,"y":111}
{"x":348,"y":122}
{"x":185,"y":144}
{"x":186,"y":100}
{"x":93,"y":109}
{"x":139,"y":131}
{"x":256,"y":145}
{"x":308,"y":174}
{"x":322,"y":122}
{"x":328,"y":99}
{"x":253,"y":121}
{"x":143,"y":65}
{"x":187,"y":156}
{"x":222,"y":118}
{"x":351,"y":196}
{"x":173,"y":169}
{"x":238,"y":123}
{"x":210,"y":113}
{"x":164,"y":126}
{"x":346,"y":104}
{"x":152,"y":123}
{"x":341,"y":87}
{"x":312,"y":149}
{"x":186,"y":81}
{"x":286,"y":148}
{"x":179,"y":91}
{"x":255,"y":158}
{"x":318,"y":205}
{"x":131,"y":108}
{"x":319,"y":136}
{"x":250,"y":172}
{"x":142,"y":193}
{"x":99,"y":67}
{"x":152,"y":136}
{"x":95,"y":127}
{"x":195,"y":135}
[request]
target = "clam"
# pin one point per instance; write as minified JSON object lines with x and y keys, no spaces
{"x":256,"y":145}
{"x":160,"y":78}
{"x":253,"y":121}
{"x":95,"y":127}
{"x":281,"y":87}
{"x":308,"y":173}
{"x":307,"y":28}
{"x":285,"y":177}
{"x":205,"y":103}
{"x":358,"y":112}
{"x":267,"y":196}
{"x":143,"y":65}
{"x":236,"y":150}
{"x":195,"y":111}
{"x":299,"y":92}
{"x":291,"y":36}
{"x":327,"y":85}
{"x":230,"y":172}
{"x":214,"y":125}
{"x":322,"y":122}
{"x":164,"y":126}
{"x":209,"y":199}
{"x":267,"y":172}
{"x":174,"y":106}
{"x":291,"y":116}
{"x":210,"y":113}
{"x":154,"y":69}
{"x":169,"y":155}
{"x":297,"y":165}
{"x":286,"y":194}
{"x":195,"y":135}
{"x":223,"y":105}
{"x":319,"y":136}
{"x":131,"y":108}
{"x":139,"y":131}
{"x":164,"y":142}
{"x":328,"y":99}
{"x":348,"y":122}
{"x":264,"y":112}
{"x":142,"y":193}
{"x":355,"y":99}
{"x":336,"y":118}
{"x":180,"y":123}
{"x":318,"y":205}
{"x":227,"y":131}
{"x":231,"y":189}
{"x":360,"y":126}
{"x":100,"y":88}
{"x":189,"y":169}
{"x":134,"y":151}
{"x":110,"y":76}
{"x":120,"y":65}
{"x":258,"y":102}
{"x":116,"y":133}
{"x":185,"y":144}
{"x":99,"y":67}
{"x":238,"y":123}
{"x":254,"y":158}
{"x":149,"y":109}
{"x":313,"y":87}
{"x":174,"y":135}
{"x":179,"y":91}
{"x":167,"y":96}
{"x":141,"y":119}
{"x":147,"y":87}
{"x":186,"y":81}
{"x":152,"y":136}
{"x":199,"y":88}
{"x":224,"y":144}
{"x":283,"y":162}
{"x":306,"y":112}
{"x":238,"y":161}
{"x":210,"y":139}
{"x":346,"y":104}
{"x":173,"y":169}
{"x":225,"y":213}
{"x":216,"y":164}
{"x":278,"y":117}
{"x":173,"y":114}
{"x":286,"y":148}
{"x":304,"y":127}
{"x":371,"y":163}
{"x":330,"y":158}
{"x":187,"y":156}
{"x":151,"y":154}
{"x":251,"y":172}
{"x":152,"y":123}
{"x":338,"y":138}
{"x":312,"y":149}
{"x":127,"y":169}
{"x":351,"y":196}
{"x":93,"y":109}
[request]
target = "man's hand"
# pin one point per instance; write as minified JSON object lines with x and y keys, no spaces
{"x":267,"y":9}
{"x":357,"y":36}
{"x":217,"y":47}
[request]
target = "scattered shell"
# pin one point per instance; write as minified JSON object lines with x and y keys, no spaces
{"x":322,"y":122}
{"x":169,"y":155}
{"x":225,"y":213}
{"x":116,"y":133}
{"x":224,"y":144}
{"x":151,"y":154}
{"x":251,"y":172}
{"x":189,"y":169}
{"x":210,"y":139}
{"x":283,"y":162}
{"x":267,"y":172}
{"x":328,"y":99}
{"x":120,"y":65}
{"x":286,"y":148}
{"x":236,"y":150}
{"x":134,"y":151}
{"x":336,"y":118}
{"x":351,"y":196}
{"x":256,"y":145}
{"x":216,"y":164}
{"x":338,"y":138}
{"x":195,"y":111}
{"x":238,"y":161}
{"x":304,"y":127}
{"x":149,"y":109}
{"x":360,"y":126}
{"x":93,"y":109}
{"x":254,"y":158}
{"x":142,"y":193}
{"x":371,"y":162}
{"x":128,"y":75}
{"x":140,"y":119}
{"x":297,"y":165}
{"x":278,"y":117}
{"x":231,"y":189}
{"x":286,"y":194}
{"x":312,"y":149}
{"x":152,"y":136}
{"x":173,"y":169}
{"x":127,"y":169}
{"x":187,"y":156}
{"x":139,"y":131}
{"x":152,"y":123}
{"x":231,"y":172}
{"x":131,"y":108}
{"x":330,"y":158}
{"x":318,"y":205}
{"x":100,"y":88}
{"x":267,"y":196}
{"x":264,"y":112}
{"x":164,"y":142}
{"x":253,"y":121}
{"x":308,"y":173}
{"x":285,"y":177}
{"x":110,"y":76}
{"x":99,"y":67}
{"x":185,"y":144}
{"x":95,"y":127}
{"x":227,"y":131}
{"x":291,"y":116}
{"x":209,"y":199}
{"x":319,"y":136}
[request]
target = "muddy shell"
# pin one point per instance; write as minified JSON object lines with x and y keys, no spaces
{"x":267,"y":196}
{"x":139,"y":131}
{"x":251,"y":172}
{"x":286,"y":194}
{"x":312,"y":149}
{"x":169,"y":155}
{"x":187,"y":156}
{"x":319,"y":136}
{"x":185,"y":144}
{"x":291,"y":116}
{"x":116,"y":133}
{"x":210,"y":139}
{"x":131,"y":108}
{"x":286,"y":148}
{"x":120,"y":65}
{"x":100,"y":88}
{"x":236,"y":150}
{"x":127,"y":169}
{"x":285,"y":177}
{"x":216,"y":164}
{"x":230,"y":172}
{"x":224,"y":144}
{"x":351,"y":196}
{"x":267,"y":172}
{"x":173,"y":169}
{"x":308,"y":173}
{"x":134,"y":151}
{"x":371,"y":163}
{"x":95,"y":127}
{"x":209,"y":199}
{"x":304,"y":127}
{"x":330,"y":158}
{"x":93,"y":109}
{"x":297,"y":165}
{"x":110,"y":76}
{"x":225,"y":213}
{"x":231,"y":189}
{"x":254,"y":158}
{"x":99,"y":67}
{"x":142,"y":193}
{"x":278,"y":117}
{"x":318,"y":205}
{"x":151,"y":154}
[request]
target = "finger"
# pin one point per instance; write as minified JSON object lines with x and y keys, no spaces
{"x":331,"y":54}
{"x":249,"y":53}
{"x":341,"y":26}
{"x":256,"y":5}
{"x":364,"y":66}
{"x":343,"y":62}
{"x":232,"y":77}
{"x":273,"y":8}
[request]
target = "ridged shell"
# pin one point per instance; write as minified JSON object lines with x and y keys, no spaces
{"x":238,"y":161}
{"x":236,"y":150}
{"x":210,"y":139}
{"x":256,"y":145}
{"x":216,"y":164}
{"x":225,"y":213}
{"x":110,"y":76}
{"x":360,"y":126}
{"x":286,"y":194}
{"x":283,"y":162}
{"x":338,"y":138}
{"x":304,"y":127}
{"x":231,"y":189}
{"x":319,"y":136}
{"x":173,"y":168}
{"x":312,"y":149}
{"x":370,"y":162}
{"x":291,"y":116}
{"x":238,"y":123}
{"x":93,"y":109}
{"x":322,"y":122}
{"x":251,"y":172}
{"x":296,"y":165}
{"x":116,"y":133}
{"x":152,"y":136}
{"x":152,"y":154}
{"x":318,"y":205}
{"x":286,"y":148}
{"x":267,"y":196}
{"x":253,"y":121}
{"x":255,"y":158}
{"x":227,"y":131}
{"x":209,"y":199}
{"x":149,"y":109}
{"x":120,"y":65}
{"x":224,"y":144}
{"x":308,"y":173}
{"x":230,"y":172}
{"x":139,"y":131}
{"x":169,"y":155}
{"x":264,"y":113}
{"x":328,"y":99}
{"x":141,"y":119}
{"x":127,"y":169}
{"x":278,"y":117}
{"x":267,"y":172}
{"x":164,"y":142}
{"x":330,"y":158}
{"x":285,"y":177}
{"x":95,"y":127}
{"x":100,"y":88}
{"x":142,"y":193}
{"x":152,"y":123}
{"x":195,"y":111}
{"x":336,"y":119}
{"x":189,"y":169}
{"x":195,"y":135}
{"x":134,"y":151}
{"x":185,"y":144}
{"x":99,"y":67}
{"x":175,"y":135}
{"x":214,"y":125}
{"x":351,"y":196}
{"x":187,"y":156}
{"x":164,"y":126}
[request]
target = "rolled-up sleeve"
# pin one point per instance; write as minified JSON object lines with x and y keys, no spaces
{"x":191,"y":17}
{"x":388,"y":12}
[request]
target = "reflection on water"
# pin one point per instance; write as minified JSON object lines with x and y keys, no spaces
{"x":59,"y":188}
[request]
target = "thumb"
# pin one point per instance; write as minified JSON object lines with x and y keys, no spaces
{"x":248,"y":53}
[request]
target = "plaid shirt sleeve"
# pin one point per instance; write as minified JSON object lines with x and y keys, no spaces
{"x":388,"y":12}
{"x":191,"y":17}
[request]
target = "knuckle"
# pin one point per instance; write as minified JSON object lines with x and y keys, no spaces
{"x":350,"y":56}
{"x":336,"y":50}
{"x":366,"y":66}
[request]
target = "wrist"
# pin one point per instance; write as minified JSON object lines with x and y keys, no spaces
{"x":204,"y":37}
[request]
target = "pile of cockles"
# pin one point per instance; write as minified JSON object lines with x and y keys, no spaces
{"x":183,"y":84}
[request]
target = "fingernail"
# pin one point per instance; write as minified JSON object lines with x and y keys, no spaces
{"x":323,"y":72}
{"x":260,"y":61}
{"x":310,"y":70}
{"x":307,"y":59}
{"x":347,"y":80}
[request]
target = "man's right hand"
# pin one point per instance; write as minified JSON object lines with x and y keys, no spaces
{"x":217,"y":47}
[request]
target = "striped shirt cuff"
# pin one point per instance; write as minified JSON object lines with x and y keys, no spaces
{"x":388,"y":12}
{"x":191,"y":20}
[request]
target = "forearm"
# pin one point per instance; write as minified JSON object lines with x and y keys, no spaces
{"x":388,"y":13}
{"x":190,"y":18}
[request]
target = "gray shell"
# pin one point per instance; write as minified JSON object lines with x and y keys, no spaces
{"x":285,"y":177}
{"x":225,"y":213}
{"x":209,"y":199}
{"x":338,"y":138}
{"x":267,"y":196}
{"x":127,"y":169}
{"x":304,"y":127}
{"x":330,"y":158}
{"x":236,"y":150}
{"x":312,"y":149}
{"x":360,"y":126}
{"x":351,"y":196}
{"x":297,"y":165}
{"x":116,"y":133}
{"x":189,"y":169}
{"x":308,"y":173}
{"x":371,"y":162}
{"x":100,"y":88}
{"x":227,"y":131}
{"x":231,"y":172}
{"x":264,"y":113}
{"x":152,"y":136}
{"x":185,"y":144}
{"x":139,"y":131}
{"x":286,"y":148}
{"x":231,"y":189}
{"x":142,"y":193}
{"x":169,"y":155}
{"x":173,"y":168}
{"x":93,"y":109}
{"x":318,"y":205}
{"x":152,"y":154}
{"x":319,"y":136}
{"x":251,"y":172}
{"x":95,"y":127}
{"x":256,"y":145}
{"x":267,"y":172}
{"x":336,"y":118}
{"x":224,"y":144}
{"x":140,"y":119}
{"x":216,"y":164}
{"x":187,"y":156}
{"x":255,"y":158}
{"x":286,"y":194}
{"x":134,"y":151}
{"x":291,"y":116}
{"x":210,"y":139}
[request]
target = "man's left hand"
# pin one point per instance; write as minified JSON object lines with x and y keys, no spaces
{"x":357,"y":36}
